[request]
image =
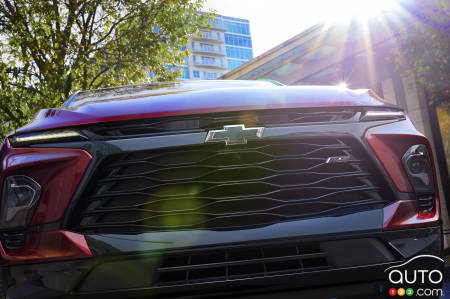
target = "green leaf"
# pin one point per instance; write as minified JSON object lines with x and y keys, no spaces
{"x":51,"y":49}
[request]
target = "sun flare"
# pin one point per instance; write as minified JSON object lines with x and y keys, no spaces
{"x":359,"y":9}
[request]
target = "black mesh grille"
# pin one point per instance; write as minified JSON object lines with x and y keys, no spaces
{"x":155,"y":126}
{"x":213,"y":186}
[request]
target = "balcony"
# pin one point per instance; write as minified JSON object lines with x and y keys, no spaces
{"x":210,"y":64}
{"x":218,"y":26}
{"x":209,"y":38}
{"x":209,"y":51}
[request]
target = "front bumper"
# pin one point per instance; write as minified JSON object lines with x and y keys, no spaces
{"x":125,"y":274}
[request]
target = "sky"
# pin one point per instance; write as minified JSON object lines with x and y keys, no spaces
{"x":275,"y":21}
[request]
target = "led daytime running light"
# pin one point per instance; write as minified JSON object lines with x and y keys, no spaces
{"x":45,"y":136}
{"x":381,"y":115}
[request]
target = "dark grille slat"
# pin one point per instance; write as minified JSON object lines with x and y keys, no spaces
{"x":215,"y":201}
{"x":236,"y":165}
{"x":224,"y":153}
{"x":353,"y":189}
{"x":259,"y":149}
{"x":194,"y":179}
{"x":303,"y":188}
{"x":237,"y":220}
{"x":212,"y":218}
{"x":179,"y":212}
{"x":157,"y":126}
{"x":238,"y":182}
{"x":214,"y":186}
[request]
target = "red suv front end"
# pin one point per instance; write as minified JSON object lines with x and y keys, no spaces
{"x":232,"y":188}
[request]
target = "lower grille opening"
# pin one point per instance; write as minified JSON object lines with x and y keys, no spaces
{"x":231,"y":262}
{"x":426,"y":203}
{"x":13,"y":240}
{"x":240,"y":262}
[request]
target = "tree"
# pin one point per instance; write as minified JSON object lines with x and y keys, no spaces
{"x":422,"y":47}
{"x":51,"y":48}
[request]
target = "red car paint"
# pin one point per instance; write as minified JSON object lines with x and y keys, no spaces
{"x":47,"y":246}
{"x":57,"y":170}
{"x":406,"y":214}
{"x":390,"y":142}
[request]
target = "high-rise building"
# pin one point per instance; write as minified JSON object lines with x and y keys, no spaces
{"x":218,"y":49}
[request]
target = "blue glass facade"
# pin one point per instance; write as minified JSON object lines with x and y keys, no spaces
{"x":240,"y":53}
{"x":185,"y":73}
{"x":233,"y":63}
{"x":218,"y":48}
{"x":237,"y":27}
{"x":238,"y":41}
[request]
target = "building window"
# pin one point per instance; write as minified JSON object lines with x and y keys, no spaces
{"x":185,"y":73}
{"x":208,"y":60}
{"x":238,"y":40}
{"x":209,"y":75}
{"x":216,"y":21}
{"x":240,"y":53}
{"x":234,"y":27}
{"x":196,"y":74}
{"x":206,"y":47}
{"x":206,"y":34}
{"x":195,"y":58}
{"x":232,"y":64}
{"x":193,"y":45}
{"x":218,"y":35}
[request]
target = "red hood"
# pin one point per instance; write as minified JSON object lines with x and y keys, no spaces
{"x":136,"y":106}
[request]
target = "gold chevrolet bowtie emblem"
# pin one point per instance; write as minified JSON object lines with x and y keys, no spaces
{"x":234,"y":134}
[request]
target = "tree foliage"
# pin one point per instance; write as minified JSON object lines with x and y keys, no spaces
{"x":423,"y":47}
{"x":52,"y":48}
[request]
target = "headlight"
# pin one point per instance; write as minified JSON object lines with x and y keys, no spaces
{"x":417,"y":164}
{"x":20,"y":195}
{"x":48,"y":136}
